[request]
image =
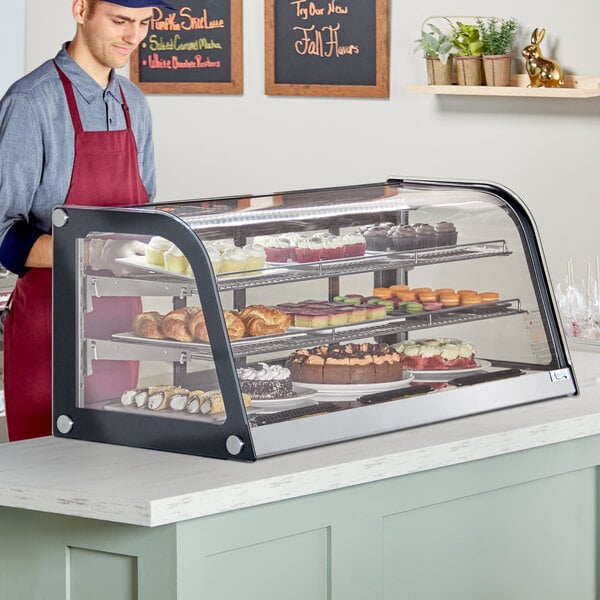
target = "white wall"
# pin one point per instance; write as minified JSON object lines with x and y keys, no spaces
{"x":12,"y":49}
{"x":544,"y":150}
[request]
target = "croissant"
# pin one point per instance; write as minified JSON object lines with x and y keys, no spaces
{"x":264,"y":320}
{"x":235,"y":326}
{"x":175,"y":324}
{"x":148,"y":325}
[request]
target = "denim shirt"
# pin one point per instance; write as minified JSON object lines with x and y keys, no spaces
{"x":37,"y":147}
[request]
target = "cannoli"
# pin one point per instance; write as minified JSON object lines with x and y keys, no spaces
{"x":193,"y":403}
{"x":141,"y":398}
{"x":178,"y":399}
{"x":128,"y":397}
{"x":158,"y":397}
{"x":210,"y":403}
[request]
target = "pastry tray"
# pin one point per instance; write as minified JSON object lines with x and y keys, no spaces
{"x":149,"y":349}
{"x":150,"y":279}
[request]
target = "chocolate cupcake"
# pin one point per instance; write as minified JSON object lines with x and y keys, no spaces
{"x":426,"y":236}
{"x":446,"y":234}
{"x":376,"y":237}
{"x":402,"y":237}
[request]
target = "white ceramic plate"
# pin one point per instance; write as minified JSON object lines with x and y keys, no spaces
{"x":336,"y":390}
{"x":444,"y":374}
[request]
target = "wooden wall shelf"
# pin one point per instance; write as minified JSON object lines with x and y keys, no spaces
{"x":576,"y":86}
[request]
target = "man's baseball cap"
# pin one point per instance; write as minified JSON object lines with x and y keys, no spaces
{"x":142,"y":3}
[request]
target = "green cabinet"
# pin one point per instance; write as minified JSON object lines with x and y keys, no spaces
{"x":518,"y":526}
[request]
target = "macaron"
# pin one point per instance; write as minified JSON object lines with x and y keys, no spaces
{"x":466,"y":292}
{"x":432,"y":305}
{"x":444,"y":291}
{"x":406,"y":296}
{"x":413,"y":307}
{"x":389,"y":305}
{"x":470,"y":299}
{"x":450,"y":300}
{"x":383,"y":293}
{"x":399,"y":288}
{"x":489,"y":296}
{"x":428,"y":296}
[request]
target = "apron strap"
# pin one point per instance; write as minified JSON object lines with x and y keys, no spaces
{"x":70,"y":100}
{"x":125,"y":108}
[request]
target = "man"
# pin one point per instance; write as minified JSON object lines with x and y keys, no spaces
{"x":72,"y":131}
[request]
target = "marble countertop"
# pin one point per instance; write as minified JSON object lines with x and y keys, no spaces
{"x":150,"y":488}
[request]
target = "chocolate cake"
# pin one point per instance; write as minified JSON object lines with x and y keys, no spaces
{"x":266,"y":383}
{"x":346,"y":364}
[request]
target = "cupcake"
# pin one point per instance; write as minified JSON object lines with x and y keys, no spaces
{"x":402,"y":237}
{"x":376,"y":237}
{"x":277,"y":249}
{"x":354,"y":244}
{"x":256,"y":256}
{"x":426,"y":236}
{"x":446,"y":234}
{"x":233,"y":260}
{"x":333,"y":247}
{"x":292,"y":240}
{"x":309,"y":249}
{"x":223,"y":245}
{"x":215,"y":258}
{"x":175,"y":261}
{"x":155,"y":251}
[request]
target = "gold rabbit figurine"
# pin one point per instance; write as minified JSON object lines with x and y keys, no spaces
{"x":543,"y":72}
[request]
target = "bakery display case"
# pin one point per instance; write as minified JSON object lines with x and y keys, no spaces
{"x":249,"y":326}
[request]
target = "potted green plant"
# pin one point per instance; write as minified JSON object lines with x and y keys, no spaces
{"x":469,"y":48}
{"x":498,"y":37}
{"x":437,"y":48}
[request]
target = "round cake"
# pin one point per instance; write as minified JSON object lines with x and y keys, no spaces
{"x":346,"y":364}
{"x":436,"y":354}
{"x":266,"y":383}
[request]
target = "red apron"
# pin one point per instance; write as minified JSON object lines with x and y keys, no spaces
{"x":105,"y":173}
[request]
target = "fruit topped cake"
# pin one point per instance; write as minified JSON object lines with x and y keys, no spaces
{"x":436,"y":354}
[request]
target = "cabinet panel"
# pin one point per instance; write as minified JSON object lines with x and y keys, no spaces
{"x":97,"y":575}
{"x":535,"y":540}
{"x":295,"y":567}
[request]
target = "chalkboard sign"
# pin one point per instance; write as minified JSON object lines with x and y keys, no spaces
{"x":197,"y":49}
{"x":327,"y":47}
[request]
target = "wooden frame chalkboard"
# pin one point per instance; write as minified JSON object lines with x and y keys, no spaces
{"x":327,"y":48}
{"x":195,"y":50}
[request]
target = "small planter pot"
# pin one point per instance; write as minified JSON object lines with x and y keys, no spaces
{"x":468,"y":70}
{"x":438,"y":73}
{"x":496,"y":68}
